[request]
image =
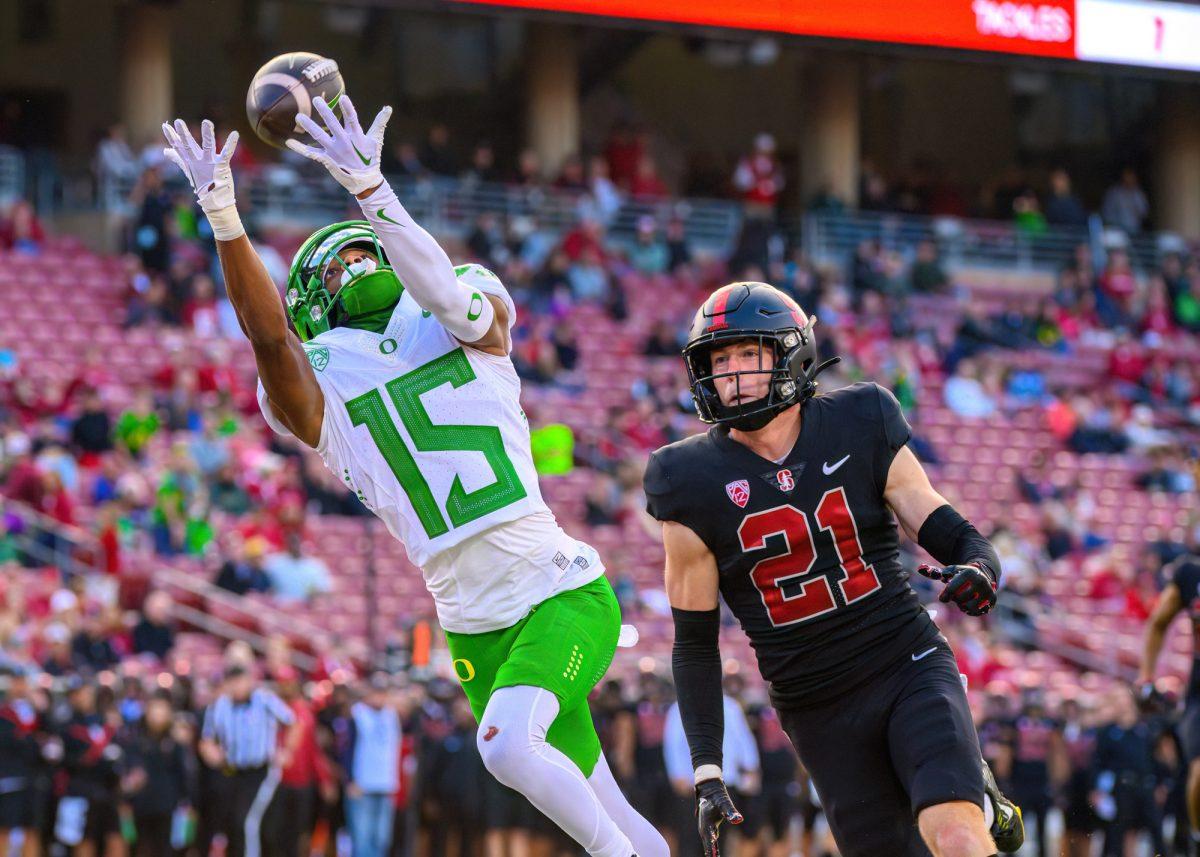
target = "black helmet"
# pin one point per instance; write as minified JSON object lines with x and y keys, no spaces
{"x":754,"y":311}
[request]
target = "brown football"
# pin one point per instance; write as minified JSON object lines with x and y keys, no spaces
{"x":286,"y":86}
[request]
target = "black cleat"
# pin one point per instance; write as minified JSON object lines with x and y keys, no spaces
{"x":1008,"y":828}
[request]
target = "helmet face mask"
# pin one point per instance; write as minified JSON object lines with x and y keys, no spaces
{"x":759,"y":313}
{"x":312,"y":306}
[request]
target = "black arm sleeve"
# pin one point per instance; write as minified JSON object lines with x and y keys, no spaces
{"x":696,"y":664}
{"x":953,"y":540}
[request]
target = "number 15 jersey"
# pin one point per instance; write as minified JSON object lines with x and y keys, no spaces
{"x":431,"y":437}
{"x":806,"y":548}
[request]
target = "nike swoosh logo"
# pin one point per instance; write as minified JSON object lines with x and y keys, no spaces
{"x":366,"y":161}
{"x":924,"y":653}
{"x":382,"y":215}
{"x":828,"y":469}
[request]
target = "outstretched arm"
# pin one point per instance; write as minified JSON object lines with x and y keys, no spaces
{"x":1170,"y":602}
{"x":291,"y":385}
{"x":352,"y":157}
{"x":971,"y":568}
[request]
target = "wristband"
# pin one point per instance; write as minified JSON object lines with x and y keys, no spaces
{"x":226,"y":223}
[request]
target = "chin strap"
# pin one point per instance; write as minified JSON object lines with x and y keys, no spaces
{"x":812,"y":376}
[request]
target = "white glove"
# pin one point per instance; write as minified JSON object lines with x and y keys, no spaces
{"x":351,"y":156}
{"x":209,"y":173}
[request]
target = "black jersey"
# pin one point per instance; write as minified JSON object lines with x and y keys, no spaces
{"x":808,"y":552}
{"x":1184,"y":572}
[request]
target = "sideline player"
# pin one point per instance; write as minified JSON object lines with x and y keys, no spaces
{"x":787,"y":508}
{"x":1182,"y":592}
{"x":398,"y":374}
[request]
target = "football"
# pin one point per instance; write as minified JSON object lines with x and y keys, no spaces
{"x":286,"y":86}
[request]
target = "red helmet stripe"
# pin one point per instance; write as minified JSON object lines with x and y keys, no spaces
{"x":718,"y":314}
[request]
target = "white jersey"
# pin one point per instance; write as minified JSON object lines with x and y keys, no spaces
{"x":431,"y":436}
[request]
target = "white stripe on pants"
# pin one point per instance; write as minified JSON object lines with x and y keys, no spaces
{"x":258,"y":809}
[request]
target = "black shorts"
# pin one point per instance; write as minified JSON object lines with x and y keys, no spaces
{"x":102,"y":821}
{"x":886,"y":750}
{"x":17,"y":810}
{"x":1189,"y":729}
{"x":775,"y":807}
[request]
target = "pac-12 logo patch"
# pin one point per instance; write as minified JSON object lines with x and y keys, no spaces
{"x":739,"y":492}
{"x":785,"y":480}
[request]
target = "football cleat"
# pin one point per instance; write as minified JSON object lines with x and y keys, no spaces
{"x":1008,"y":828}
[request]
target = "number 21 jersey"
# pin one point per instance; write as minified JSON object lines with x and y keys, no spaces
{"x":806,"y":548}
{"x":431,"y":437}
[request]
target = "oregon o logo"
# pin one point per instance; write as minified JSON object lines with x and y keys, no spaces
{"x":472,"y":312}
{"x":464,"y":670}
{"x":388,"y":346}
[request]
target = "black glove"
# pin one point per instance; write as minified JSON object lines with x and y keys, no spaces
{"x":712,"y":807}
{"x":970,"y":587}
{"x":1149,"y":699}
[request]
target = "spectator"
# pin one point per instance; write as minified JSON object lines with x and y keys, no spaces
{"x":649,"y":254}
{"x":305,"y":774}
{"x":571,"y":177}
{"x":226,"y":493}
{"x":589,"y":278}
{"x":663,"y":341}
{"x":487,"y":241}
{"x":623,"y":153}
{"x":92,"y":648}
{"x":59,"y":659}
{"x":372,"y":767}
{"x":1063,"y":207}
{"x":437,"y":156}
{"x":646,"y":181}
{"x":200,"y":309}
{"x":294,"y":576}
{"x":91,"y":433}
{"x":22,"y":231}
{"x":965,"y":395}
{"x":759,"y":179}
{"x":243,"y":574}
{"x":677,"y":245}
{"x":153,"y":634}
{"x":602,"y":504}
{"x":604,"y":196}
{"x":114,"y":161}
{"x":483,"y":165}
{"x":927,"y":275}
{"x":1125,"y":206}
{"x":91,"y":759}
{"x":1126,"y":778}
{"x":151,"y":237}
{"x":158,"y":781}
{"x":137,"y":424}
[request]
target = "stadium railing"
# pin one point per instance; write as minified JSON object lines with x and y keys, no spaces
{"x":283,"y":197}
{"x":829,"y":238}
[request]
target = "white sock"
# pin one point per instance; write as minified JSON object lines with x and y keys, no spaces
{"x":989,"y":812}
{"x":646,"y":839}
{"x":512,"y":742}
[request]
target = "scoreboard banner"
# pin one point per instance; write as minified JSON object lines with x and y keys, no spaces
{"x":1130,"y":32}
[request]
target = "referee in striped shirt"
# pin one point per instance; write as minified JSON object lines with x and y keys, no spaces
{"x":240,"y":741}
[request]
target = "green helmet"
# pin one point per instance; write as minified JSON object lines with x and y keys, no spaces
{"x":311,"y":307}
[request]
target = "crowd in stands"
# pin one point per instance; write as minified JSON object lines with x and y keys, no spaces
{"x":627,"y":164}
